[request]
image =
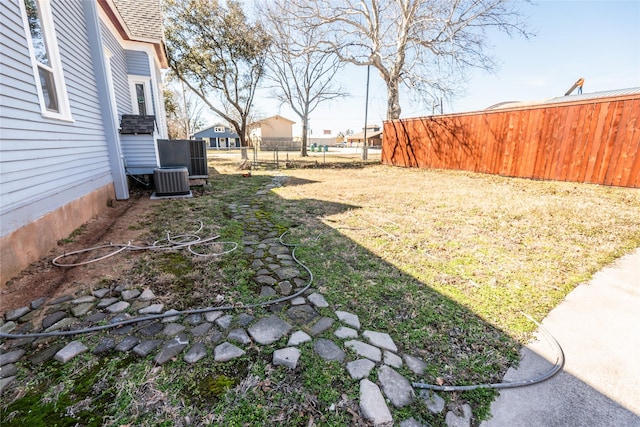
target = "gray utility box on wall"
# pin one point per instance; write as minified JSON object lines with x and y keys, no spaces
{"x":171,"y":181}
{"x":189,"y":153}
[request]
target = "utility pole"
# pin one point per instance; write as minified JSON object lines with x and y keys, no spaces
{"x":366,"y":112}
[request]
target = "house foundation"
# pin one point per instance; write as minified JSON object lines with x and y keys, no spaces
{"x":34,"y":241}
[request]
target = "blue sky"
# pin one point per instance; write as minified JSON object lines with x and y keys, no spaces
{"x":597,"y":40}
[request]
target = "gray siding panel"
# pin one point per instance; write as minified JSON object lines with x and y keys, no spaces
{"x":137,"y":63}
{"x":139,"y":151}
{"x":118,"y":72}
{"x":47,"y":163}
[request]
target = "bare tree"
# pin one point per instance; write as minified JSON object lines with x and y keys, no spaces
{"x":184,"y":112}
{"x":303,"y":77}
{"x":218,"y":54}
{"x":424,"y":44}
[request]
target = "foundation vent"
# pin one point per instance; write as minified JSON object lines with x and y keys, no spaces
{"x":171,"y":181}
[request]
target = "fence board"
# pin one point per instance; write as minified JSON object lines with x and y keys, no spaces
{"x":594,"y":141}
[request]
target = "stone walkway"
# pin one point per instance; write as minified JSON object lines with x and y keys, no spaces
{"x":168,"y":334}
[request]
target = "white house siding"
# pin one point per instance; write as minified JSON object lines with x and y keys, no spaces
{"x":137,"y":63}
{"x":119,"y":71}
{"x":46,"y":163}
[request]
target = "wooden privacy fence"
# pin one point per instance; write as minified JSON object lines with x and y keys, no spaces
{"x":594,"y":141}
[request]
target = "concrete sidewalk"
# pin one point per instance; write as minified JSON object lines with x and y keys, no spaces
{"x":598,"y":327}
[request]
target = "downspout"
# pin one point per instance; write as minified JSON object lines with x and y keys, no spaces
{"x":106,"y":103}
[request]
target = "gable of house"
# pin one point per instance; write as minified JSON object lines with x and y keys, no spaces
{"x":273,"y":127}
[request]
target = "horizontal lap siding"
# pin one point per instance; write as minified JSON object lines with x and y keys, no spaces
{"x":119,"y":71}
{"x":595,"y":142}
{"x":47,"y":163}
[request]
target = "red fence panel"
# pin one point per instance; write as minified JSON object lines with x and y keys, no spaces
{"x":595,"y":141}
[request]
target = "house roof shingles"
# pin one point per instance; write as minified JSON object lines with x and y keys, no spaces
{"x":143,"y":18}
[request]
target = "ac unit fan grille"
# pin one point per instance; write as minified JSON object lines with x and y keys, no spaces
{"x":171,"y":181}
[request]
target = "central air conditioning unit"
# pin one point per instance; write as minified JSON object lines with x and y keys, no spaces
{"x":171,"y":181}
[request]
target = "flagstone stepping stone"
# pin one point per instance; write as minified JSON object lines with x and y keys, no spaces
{"x":4,"y":382}
{"x":17,"y":313}
{"x":285,"y":273}
{"x":101,"y":293}
{"x":360,"y":368}
{"x":106,"y":344}
{"x":127,"y":343}
{"x":364,"y":350}
{"x":67,"y":321}
{"x":318,"y":300}
{"x":328,"y":350}
{"x":278,"y":250}
{"x":244,"y":319}
{"x":172,"y":329}
{"x":46,"y":354}
{"x":348,"y":319}
{"x":412,"y":422}
{"x":11,"y":357}
{"x":298,"y":338}
{"x":265,"y":280}
{"x":106,"y":302}
{"x":61,"y":299}
{"x":84,"y":299}
{"x":225,"y":321}
{"x":434,"y":403}
{"x":171,"y":349}
{"x":147,"y":295}
{"x":239,"y":335}
{"x":343,"y":332}
{"x":9,"y":370}
{"x":392,"y":359}
{"x":285,"y":287}
{"x":396,"y":387}
{"x":201,"y":329}
{"x":269,"y":330}
{"x":152,"y":329}
{"x":301,"y":314}
{"x":372,"y":404}
{"x":321,"y":325}
{"x":70,"y":351}
{"x":118,"y":307}
{"x":8,"y":327}
{"x":226,"y":351}
{"x":298,"y":301}
{"x":37,"y":303}
{"x":152,"y":309}
{"x":193,"y":319}
{"x":130,"y":294}
{"x":267,"y":291}
{"x":53,"y":318}
{"x":81,"y":309}
{"x":169,"y":317}
{"x":286,"y":357}
{"x":415,"y":365}
{"x":145,"y":347}
{"x":381,"y":340}
{"x":211,"y":316}
{"x":463,"y":420}
{"x":197,"y":352}
{"x":95,"y":318}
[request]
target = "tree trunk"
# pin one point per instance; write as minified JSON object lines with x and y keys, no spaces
{"x":393,"y":102}
{"x":303,"y":147}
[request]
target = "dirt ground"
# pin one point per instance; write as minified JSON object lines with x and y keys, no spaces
{"x":43,"y":279}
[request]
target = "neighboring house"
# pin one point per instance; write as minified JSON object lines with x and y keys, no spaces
{"x":374,"y":136}
{"x":81,"y":107}
{"x":218,"y":136}
{"x":272,"y":132}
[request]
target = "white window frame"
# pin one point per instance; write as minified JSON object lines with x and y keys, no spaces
{"x":53,"y":55}
{"x":146,"y":82}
